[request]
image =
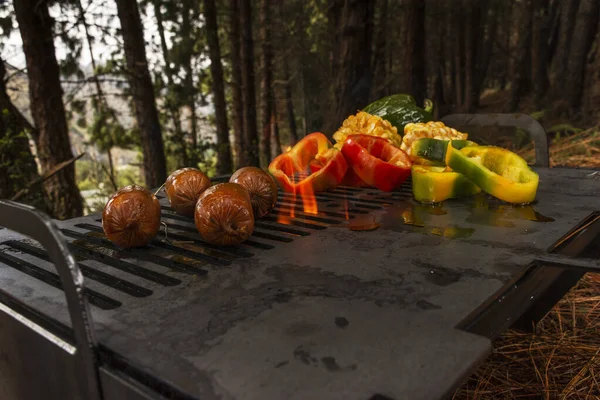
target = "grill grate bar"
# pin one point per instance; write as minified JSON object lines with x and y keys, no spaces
{"x":367,"y":201}
{"x":321,"y":212}
{"x":91,"y":273}
{"x":297,"y":199}
{"x":202,"y":254}
{"x":280,"y":228}
{"x":132,"y":253}
{"x":270,"y":236}
{"x":124,"y":266}
{"x":271,"y":218}
{"x":312,"y":217}
{"x":97,"y":299}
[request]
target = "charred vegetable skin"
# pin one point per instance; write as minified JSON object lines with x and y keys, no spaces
{"x":131,"y":218}
{"x":314,"y":148}
{"x":497,"y":171}
{"x":224,"y":214}
{"x":399,"y":110}
{"x":436,"y":184}
{"x":261,"y":187}
{"x":376,"y":161}
{"x":183,"y":188}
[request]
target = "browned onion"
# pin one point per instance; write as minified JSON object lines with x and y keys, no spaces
{"x":224,"y":214}
{"x":261,"y":187}
{"x":131,"y":218}
{"x":184,"y":187}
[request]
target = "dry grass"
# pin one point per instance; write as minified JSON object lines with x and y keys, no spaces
{"x":581,"y":149}
{"x":561,"y":360}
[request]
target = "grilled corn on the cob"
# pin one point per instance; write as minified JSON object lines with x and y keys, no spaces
{"x":433,"y":129}
{"x":367,"y":124}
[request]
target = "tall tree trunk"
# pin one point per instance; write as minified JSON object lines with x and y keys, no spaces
{"x":414,"y":60}
{"x":224,"y":163}
{"x":274,"y":135}
{"x":380,"y":55}
{"x":236,"y":85}
{"x":568,"y":12}
{"x":486,"y":46}
{"x":289,"y":104}
{"x":47,"y":108}
{"x":172,"y":108}
{"x":155,"y":168}
{"x":539,"y":50}
{"x":17,"y":164}
{"x":248,"y":92}
{"x":351,"y":24}
{"x":583,"y":36}
{"x":188,"y":81}
{"x":521,"y":60}
{"x":100,"y":102}
{"x":459,"y":67}
{"x":266,"y":90}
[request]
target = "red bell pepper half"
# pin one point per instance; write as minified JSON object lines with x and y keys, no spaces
{"x":314,"y":148}
{"x":350,"y":179}
{"x":376,"y":161}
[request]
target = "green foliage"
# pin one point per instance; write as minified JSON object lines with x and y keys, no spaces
{"x":563,"y":129}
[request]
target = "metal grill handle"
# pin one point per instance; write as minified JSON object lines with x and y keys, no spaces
{"x":534,"y":128}
{"x":30,"y":222}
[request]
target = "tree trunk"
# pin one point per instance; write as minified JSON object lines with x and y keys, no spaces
{"x":47,"y":108}
{"x":351,"y":24}
{"x":459,"y":67}
{"x":188,"y":81}
{"x":274,"y":135}
{"x":380,"y":56}
{"x":172,"y":108}
{"x":248,"y":92}
{"x":568,"y":12}
{"x":486,"y":46}
{"x":17,"y":164}
{"x":155,"y":168}
{"x":521,"y":60}
{"x":583,"y":36}
{"x":539,"y":50}
{"x":289,"y":105}
{"x":414,"y":60}
{"x":266,"y":90}
{"x":236,"y":85}
{"x":216,"y":71}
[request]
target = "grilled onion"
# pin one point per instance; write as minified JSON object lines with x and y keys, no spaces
{"x":184,"y":187}
{"x":224,"y":214}
{"x":261,"y":187}
{"x":131,"y":218}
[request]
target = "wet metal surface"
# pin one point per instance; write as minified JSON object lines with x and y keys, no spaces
{"x":315,"y":309}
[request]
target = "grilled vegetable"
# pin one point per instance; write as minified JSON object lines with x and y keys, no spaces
{"x":184,"y":187}
{"x":376,"y":161}
{"x":399,"y":110}
{"x":366,"y":124}
{"x":261,"y":187}
{"x":497,"y":171}
{"x":434,"y":130}
{"x":436,"y":184}
{"x":350,"y":179}
{"x":317,"y":147}
{"x":131,"y":218}
{"x":434,"y":150}
{"x":224,"y":215}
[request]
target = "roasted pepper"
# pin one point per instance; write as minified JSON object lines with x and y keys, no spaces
{"x":400,"y":109}
{"x":350,"y":179}
{"x":434,"y":150}
{"x":436,"y":184}
{"x":315,"y":147}
{"x":376,"y":161}
{"x":497,"y":171}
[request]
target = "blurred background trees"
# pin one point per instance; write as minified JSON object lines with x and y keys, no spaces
{"x":147,"y":86}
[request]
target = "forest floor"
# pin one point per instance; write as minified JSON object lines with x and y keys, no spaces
{"x":561,"y":359}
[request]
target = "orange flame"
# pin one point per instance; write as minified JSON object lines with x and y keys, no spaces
{"x":346,"y":215}
{"x":308,"y":200}
{"x":285,"y":215}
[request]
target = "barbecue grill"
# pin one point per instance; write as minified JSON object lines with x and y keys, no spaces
{"x":372,"y":297}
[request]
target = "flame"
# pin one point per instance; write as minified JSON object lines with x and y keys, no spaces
{"x":346,"y":215}
{"x":308,"y":200}
{"x":285,"y":215}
